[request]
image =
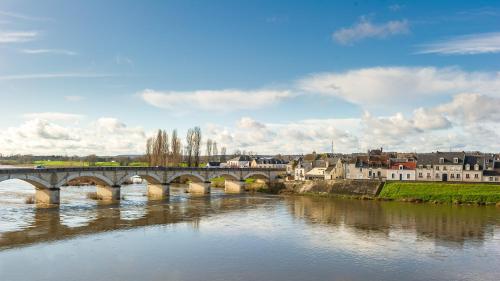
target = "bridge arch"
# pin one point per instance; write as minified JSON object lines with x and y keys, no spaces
{"x":150,"y":178}
{"x":226,"y":176}
{"x":259,"y":175}
{"x":35,"y":181}
{"x":189,"y":175}
{"x":98,"y":178}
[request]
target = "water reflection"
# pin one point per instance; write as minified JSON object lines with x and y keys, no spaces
{"x":442,"y":223}
{"x":245,"y":237}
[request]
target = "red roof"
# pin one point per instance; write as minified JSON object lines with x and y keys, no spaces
{"x":406,"y":165}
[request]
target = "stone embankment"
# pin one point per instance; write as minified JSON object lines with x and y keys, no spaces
{"x":369,"y":188}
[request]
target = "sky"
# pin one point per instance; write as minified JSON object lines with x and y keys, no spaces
{"x":99,"y":77}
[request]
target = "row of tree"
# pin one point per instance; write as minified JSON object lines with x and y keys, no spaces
{"x":164,"y":151}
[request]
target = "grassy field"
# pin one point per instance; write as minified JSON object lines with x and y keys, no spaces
{"x":84,"y":164}
{"x":441,"y":192}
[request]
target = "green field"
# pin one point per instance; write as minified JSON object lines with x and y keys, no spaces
{"x":84,"y":164}
{"x":441,"y":192}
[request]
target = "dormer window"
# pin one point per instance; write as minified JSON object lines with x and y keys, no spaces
{"x":455,"y":160}
{"x":401,"y":167}
{"x":441,"y":160}
{"x":476,"y":167}
{"x":467,"y":167}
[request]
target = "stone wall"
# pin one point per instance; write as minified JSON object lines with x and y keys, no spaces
{"x":339,"y":186}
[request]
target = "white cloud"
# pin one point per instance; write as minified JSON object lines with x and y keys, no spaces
{"x":292,"y":137}
{"x":366,"y":29}
{"x":472,"y":108}
{"x":465,"y":45}
{"x":49,"y":51}
{"x":23,"y":16}
{"x":54,"y":116}
{"x":17,"y":36}
{"x":221,"y":100}
{"x":105,"y":136}
{"x":391,"y":86}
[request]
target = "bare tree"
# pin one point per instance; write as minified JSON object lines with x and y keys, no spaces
{"x":223,"y":154}
{"x":197,"y":146}
{"x":209,"y":150}
{"x":176,"y":147}
{"x":189,"y":146}
{"x":165,"y":149}
{"x":215,"y":151}
{"x":149,"y":151}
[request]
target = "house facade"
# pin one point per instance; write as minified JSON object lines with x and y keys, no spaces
{"x":242,"y":161}
{"x":402,"y":171}
{"x":268,"y":163}
{"x":440,"y":166}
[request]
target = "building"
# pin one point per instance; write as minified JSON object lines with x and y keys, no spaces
{"x":402,"y":170}
{"x":213,"y":164}
{"x":335,"y":170}
{"x":242,"y":161}
{"x":440,"y":166}
{"x":317,"y":173}
{"x":268,"y":163}
{"x":492,"y":173}
{"x":372,"y":165}
{"x":301,"y":169}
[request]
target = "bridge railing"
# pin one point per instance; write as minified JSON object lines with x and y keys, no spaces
{"x":128,"y":168}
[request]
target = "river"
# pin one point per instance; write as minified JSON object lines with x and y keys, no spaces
{"x":242,"y":237}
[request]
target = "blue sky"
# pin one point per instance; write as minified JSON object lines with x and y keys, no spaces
{"x":263,"y":76}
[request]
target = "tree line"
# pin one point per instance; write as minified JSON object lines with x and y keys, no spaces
{"x":162,"y":150}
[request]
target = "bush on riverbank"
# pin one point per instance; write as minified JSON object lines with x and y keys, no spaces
{"x":456,"y":193}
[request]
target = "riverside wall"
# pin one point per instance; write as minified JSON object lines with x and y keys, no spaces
{"x":338,"y":186}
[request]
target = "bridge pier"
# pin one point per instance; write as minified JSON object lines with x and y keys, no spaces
{"x":199,"y":187}
{"x":231,"y":186}
{"x":158,"y":191}
{"x":108,"y":192}
{"x":47,"y":196}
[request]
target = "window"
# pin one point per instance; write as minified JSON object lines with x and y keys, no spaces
{"x":476,"y":176}
{"x":476,"y":167}
{"x":401,"y":167}
{"x":458,"y":176}
{"x":393,"y":175}
{"x":491,"y":178}
{"x":428,"y":175}
{"x":467,"y":167}
{"x":407,"y":176}
{"x":437,"y":168}
{"x":441,"y":160}
{"x":420,"y":175}
{"x":496,"y":178}
{"x":444,"y":168}
{"x":452,"y":176}
{"x":428,"y":166}
{"x":437,"y":175}
{"x":467,"y":176}
{"x":369,"y":173}
{"x":455,"y":160}
{"x":378,"y":174}
{"x":420,"y":166}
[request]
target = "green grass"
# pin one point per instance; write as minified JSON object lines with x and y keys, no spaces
{"x":61,"y":163}
{"x":441,"y":192}
{"x":84,"y":164}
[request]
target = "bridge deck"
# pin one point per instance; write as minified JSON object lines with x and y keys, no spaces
{"x":128,"y":168}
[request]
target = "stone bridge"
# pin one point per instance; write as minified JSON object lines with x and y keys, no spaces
{"x":49,"y":181}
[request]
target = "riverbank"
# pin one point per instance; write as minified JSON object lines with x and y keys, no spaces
{"x":417,"y":192}
{"x":437,"y":192}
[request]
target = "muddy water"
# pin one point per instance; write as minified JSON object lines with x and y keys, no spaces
{"x":242,"y":237}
